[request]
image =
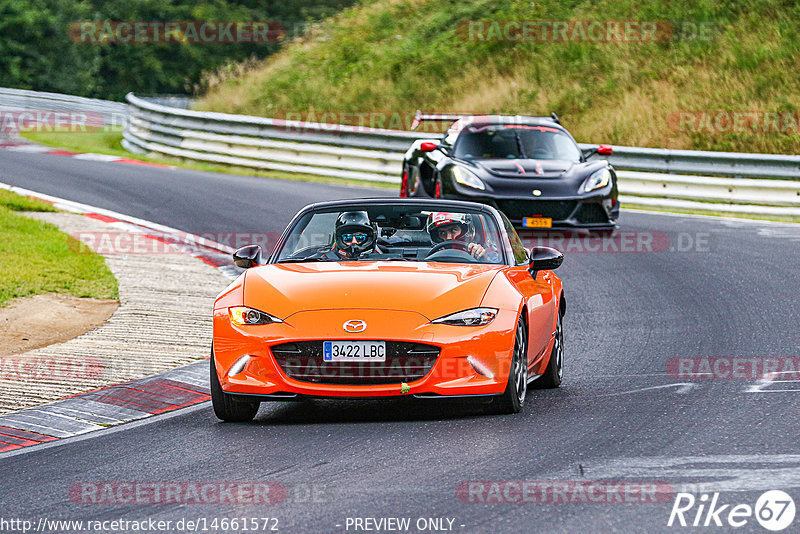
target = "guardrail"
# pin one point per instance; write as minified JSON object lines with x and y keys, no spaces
{"x":113,"y":113}
{"x":270,"y":144}
{"x":703,"y":181}
{"x":697,"y":162}
{"x":757,"y":184}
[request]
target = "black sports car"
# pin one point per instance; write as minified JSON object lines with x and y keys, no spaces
{"x":530,"y":168}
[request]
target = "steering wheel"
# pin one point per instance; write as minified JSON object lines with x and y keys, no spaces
{"x":459,"y":245}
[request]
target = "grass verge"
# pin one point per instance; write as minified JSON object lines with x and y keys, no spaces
{"x":720,"y":213}
{"x":36,"y":257}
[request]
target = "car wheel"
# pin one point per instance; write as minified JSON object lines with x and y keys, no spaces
{"x":555,"y":367}
{"x":225,"y":406}
{"x":511,"y":400}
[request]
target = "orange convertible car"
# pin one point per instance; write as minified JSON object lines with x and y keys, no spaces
{"x":383,"y":298}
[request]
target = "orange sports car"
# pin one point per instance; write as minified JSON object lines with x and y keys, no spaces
{"x":384,"y":298}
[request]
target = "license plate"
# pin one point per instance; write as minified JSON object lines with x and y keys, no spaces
{"x":537,"y":222}
{"x":354,"y":351}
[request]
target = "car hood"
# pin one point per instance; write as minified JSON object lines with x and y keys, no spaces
{"x":430,"y":289}
{"x":525,"y":168}
{"x":558,"y":178}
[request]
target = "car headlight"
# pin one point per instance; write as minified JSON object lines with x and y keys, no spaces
{"x":473,"y":317}
{"x":599,"y":179}
{"x":244,"y":316}
{"x":467,"y":178}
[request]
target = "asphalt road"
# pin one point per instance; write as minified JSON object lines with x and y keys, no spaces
{"x":619,"y":416}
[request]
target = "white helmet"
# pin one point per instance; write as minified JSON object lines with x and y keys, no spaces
{"x":442,"y":219}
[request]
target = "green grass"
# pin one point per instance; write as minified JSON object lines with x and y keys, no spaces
{"x":396,"y":56}
{"x":110,"y":143}
{"x":36,"y":257}
{"x":721,"y":213}
{"x":99,"y":142}
{"x":15,"y":202}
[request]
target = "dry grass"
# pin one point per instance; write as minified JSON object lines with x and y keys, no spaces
{"x":404,"y":55}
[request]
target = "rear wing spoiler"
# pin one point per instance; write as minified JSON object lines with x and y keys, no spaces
{"x":450,"y":117}
{"x":437,"y":117}
{"x":553,"y":117}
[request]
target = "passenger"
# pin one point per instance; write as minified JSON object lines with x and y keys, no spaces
{"x":354,"y":237}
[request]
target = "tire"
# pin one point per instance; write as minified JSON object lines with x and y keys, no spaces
{"x":554,"y":372}
{"x":225,"y":406}
{"x":512,"y":399}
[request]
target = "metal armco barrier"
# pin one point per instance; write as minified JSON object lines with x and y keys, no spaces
{"x":113,"y":113}
{"x":271,"y":144}
{"x":755,"y":184}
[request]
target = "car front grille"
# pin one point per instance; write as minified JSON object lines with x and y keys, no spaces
{"x":405,"y":362}
{"x":591,"y":213}
{"x":558,"y":210}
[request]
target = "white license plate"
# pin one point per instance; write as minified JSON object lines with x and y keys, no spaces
{"x":354,"y":351}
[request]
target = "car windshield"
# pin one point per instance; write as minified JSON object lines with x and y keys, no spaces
{"x":516,"y":142}
{"x":380,"y":232}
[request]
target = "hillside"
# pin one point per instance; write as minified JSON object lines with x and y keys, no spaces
{"x":710,"y":75}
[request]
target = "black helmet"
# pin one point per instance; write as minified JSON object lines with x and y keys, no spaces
{"x":354,"y":222}
{"x":442,"y":219}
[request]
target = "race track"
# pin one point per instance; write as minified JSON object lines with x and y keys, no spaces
{"x":730,"y":293}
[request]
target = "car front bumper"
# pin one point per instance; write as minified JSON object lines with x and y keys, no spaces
{"x":471,"y":360}
{"x":598,"y":210}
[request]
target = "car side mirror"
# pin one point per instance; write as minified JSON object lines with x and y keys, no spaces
{"x":603,"y":150}
{"x":427,"y":146}
{"x":248,"y":256}
{"x":544,"y":259}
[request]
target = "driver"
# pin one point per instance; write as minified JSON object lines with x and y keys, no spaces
{"x":354,"y":237}
{"x":443,"y":226}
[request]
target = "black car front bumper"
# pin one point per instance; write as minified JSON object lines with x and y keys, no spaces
{"x":591,"y":213}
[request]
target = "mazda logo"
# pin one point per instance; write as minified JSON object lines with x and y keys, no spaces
{"x":354,"y":326}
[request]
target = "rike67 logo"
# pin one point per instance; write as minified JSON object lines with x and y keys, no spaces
{"x":774,"y":510}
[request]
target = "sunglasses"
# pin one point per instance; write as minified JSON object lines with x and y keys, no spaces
{"x":359,"y":237}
